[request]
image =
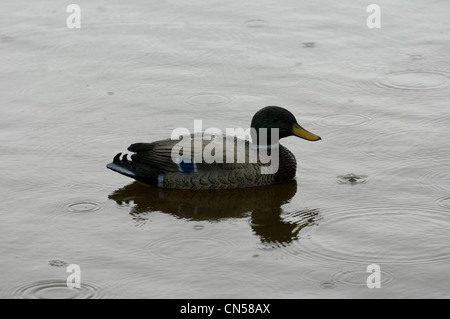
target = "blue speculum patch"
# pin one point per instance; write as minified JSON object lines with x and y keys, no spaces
{"x":187,"y":167}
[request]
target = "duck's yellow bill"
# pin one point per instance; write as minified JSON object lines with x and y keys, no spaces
{"x":301,"y":132}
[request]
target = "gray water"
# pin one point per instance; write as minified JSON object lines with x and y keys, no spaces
{"x":375,"y":190}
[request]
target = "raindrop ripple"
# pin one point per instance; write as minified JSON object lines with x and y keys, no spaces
{"x":413,"y":80}
{"x":390,"y":235}
{"x":57,"y":289}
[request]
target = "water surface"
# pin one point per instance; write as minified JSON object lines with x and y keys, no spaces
{"x":375,"y":190}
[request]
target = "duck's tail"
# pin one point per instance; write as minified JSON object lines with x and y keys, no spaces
{"x":122,"y":165}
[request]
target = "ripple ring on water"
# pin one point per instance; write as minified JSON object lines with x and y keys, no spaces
{"x":444,"y":202}
{"x":82,"y":207}
{"x":256,"y":23}
{"x":208,"y":99}
{"x":202,"y":247}
{"x":57,"y":289}
{"x":358,"y":277}
{"x":351,"y":179}
{"x":363,"y":242}
{"x":438,"y":180}
{"x":319,"y":277}
{"x":343,"y":120}
{"x":413,"y":80}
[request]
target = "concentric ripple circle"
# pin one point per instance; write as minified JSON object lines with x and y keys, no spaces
{"x":256,"y":23}
{"x":439,"y":180}
{"x":81,"y":215}
{"x":413,"y":80}
{"x":82,"y":207}
{"x":320,"y":277}
{"x":389,"y":235}
{"x":351,"y":179}
{"x":201,"y":247}
{"x":208,"y":99}
{"x":444,"y":202}
{"x":357,"y":276}
{"x":337,"y":120}
{"x":57,"y":289}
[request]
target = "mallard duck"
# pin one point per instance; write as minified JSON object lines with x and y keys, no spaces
{"x":159,"y":165}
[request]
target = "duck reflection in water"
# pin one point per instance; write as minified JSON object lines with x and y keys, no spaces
{"x":262,"y":204}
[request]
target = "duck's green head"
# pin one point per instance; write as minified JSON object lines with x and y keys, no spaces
{"x":275,"y":117}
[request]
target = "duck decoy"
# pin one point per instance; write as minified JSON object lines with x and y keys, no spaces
{"x":159,"y":165}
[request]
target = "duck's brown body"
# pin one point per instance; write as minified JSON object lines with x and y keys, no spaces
{"x":152,"y":163}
